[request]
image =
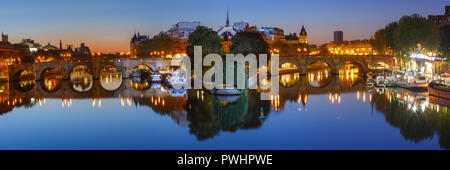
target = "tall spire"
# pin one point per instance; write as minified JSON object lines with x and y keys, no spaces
{"x":228,"y":19}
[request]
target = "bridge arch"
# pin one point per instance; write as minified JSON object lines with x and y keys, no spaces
{"x":81,"y":78}
{"x":3,"y":77}
{"x":24,"y":80}
{"x":289,"y":67}
{"x":327,"y":66}
{"x":110,"y":77}
{"x":381,"y":65}
{"x":51,"y":79}
{"x":351,"y":67}
{"x":290,"y":80}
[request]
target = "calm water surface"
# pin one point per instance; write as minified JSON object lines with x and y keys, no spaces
{"x":311,"y":112}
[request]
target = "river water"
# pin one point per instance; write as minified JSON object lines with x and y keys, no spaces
{"x":312,"y":112}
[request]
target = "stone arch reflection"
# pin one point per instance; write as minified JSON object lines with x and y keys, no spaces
{"x":319,"y":74}
{"x":3,"y":77}
{"x":81,"y":78}
{"x":3,"y":87}
{"x":289,"y":80}
{"x":349,"y":73}
{"x":52,"y":79}
{"x":24,"y":80}
{"x":110,"y":78}
{"x":140,"y":77}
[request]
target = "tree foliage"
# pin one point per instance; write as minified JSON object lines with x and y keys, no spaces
{"x":413,"y":30}
{"x":208,"y":39}
{"x":444,"y":47}
{"x":380,"y":41}
{"x":389,"y":35}
{"x":249,"y":42}
{"x":159,"y":43}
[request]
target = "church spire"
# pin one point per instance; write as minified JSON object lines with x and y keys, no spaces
{"x":228,"y":19}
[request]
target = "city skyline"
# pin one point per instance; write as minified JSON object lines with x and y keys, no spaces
{"x":107,"y":26}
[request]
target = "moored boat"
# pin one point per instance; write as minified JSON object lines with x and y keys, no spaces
{"x":438,"y":89}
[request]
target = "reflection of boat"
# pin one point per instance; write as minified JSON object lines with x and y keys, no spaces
{"x":177,"y":92}
{"x":156,"y":85}
{"x":227,"y":91}
{"x":438,"y":89}
{"x":175,"y":80}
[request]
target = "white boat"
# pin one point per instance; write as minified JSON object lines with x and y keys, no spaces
{"x":156,"y":86}
{"x":155,"y":78}
{"x":175,"y":80}
{"x":380,"y":82}
{"x":418,"y":83}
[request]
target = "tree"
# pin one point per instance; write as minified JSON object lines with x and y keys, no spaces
{"x":380,"y":41}
{"x":159,"y":45}
{"x":389,"y":35}
{"x":208,"y":39}
{"x":444,"y":46}
{"x":249,"y":42}
{"x":413,"y":30}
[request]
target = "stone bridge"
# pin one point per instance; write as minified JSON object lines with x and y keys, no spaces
{"x":334,"y":62}
{"x":65,"y":67}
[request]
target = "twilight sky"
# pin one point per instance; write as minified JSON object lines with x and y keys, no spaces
{"x":107,"y":25}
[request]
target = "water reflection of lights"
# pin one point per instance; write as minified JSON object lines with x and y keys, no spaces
{"x":289,"y":79}
{"x":334,"y":97}
{"x":94,"y":101}
{"x":66,"y":103}
{"x":275,"y":102}
{"x":415,"y":101}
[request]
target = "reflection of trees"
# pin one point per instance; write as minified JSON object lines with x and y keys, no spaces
{"x":230,"y":115}
{"x":414,"y":125}
{"x":209,"y":115}
{"x":9,"y":104}
{"x":165,"y":106}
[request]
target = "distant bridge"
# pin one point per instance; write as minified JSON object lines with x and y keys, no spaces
{"x":334,"y":62}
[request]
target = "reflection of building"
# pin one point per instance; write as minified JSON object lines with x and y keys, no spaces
{"x":354,"y":47}
{"x":135,"y":41}
{"x":441,"y":19}
{"x":303,"y":36}
{"x":182,"y":30}
{"x":338,"y":37}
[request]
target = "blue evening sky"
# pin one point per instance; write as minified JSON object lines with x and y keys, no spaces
{"x":107,"y":25}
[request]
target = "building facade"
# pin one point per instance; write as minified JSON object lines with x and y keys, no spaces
{"x":338,"y":37}
{"x":303,"y":38}
{"x":182,"y":30}
{"x":135,"y":41}
{"x":441,"y":19}
{"x":272,"y":33}
{"x":354,"y":47}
